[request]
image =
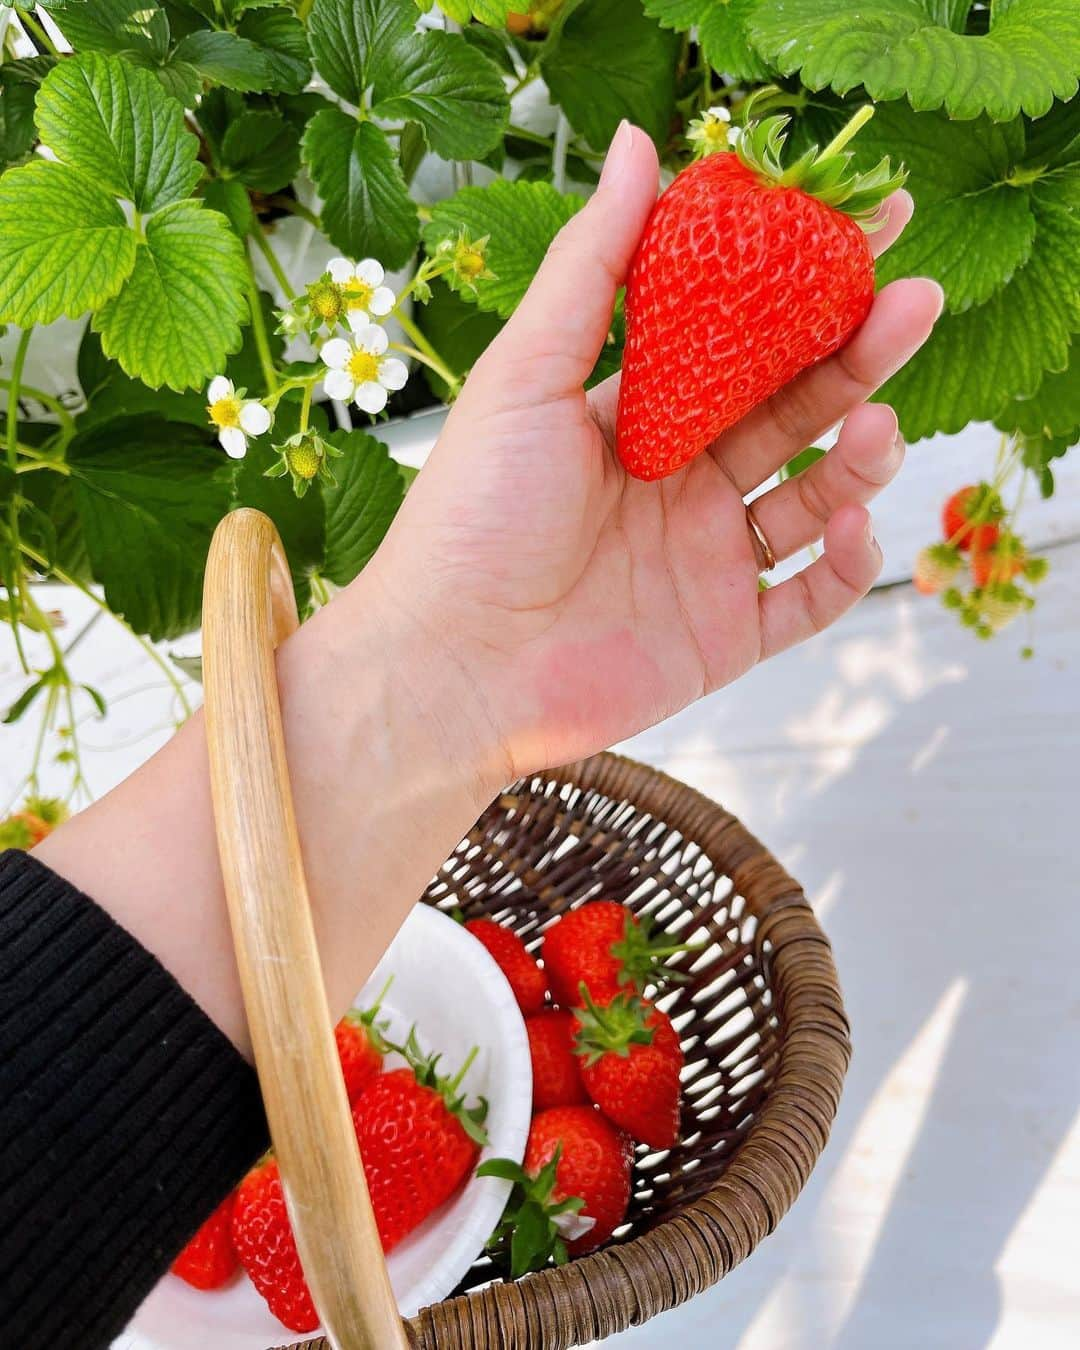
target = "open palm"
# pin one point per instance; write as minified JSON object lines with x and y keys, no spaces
{"x":588,"y":605}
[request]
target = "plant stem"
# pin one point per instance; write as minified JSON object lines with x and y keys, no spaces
{"x":845,"y":133}
{"x":305,"y":406}
{"x":37,"y":31}
{"x":436,"y":365}
{"x":53,"y":404}
{"x":258,"y":327}
{"x":148,"y":647}
{"x":56,"y":465}
{"x":434,"y":360}
{"x":264,"y":247}
{"x":523,"y":134}
{"x":558,"y":154}
{"x":294,"y":208}
{"x":522,"y":83}
{"x":14,"y":390}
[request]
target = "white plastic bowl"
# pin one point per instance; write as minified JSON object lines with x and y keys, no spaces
{"x":448,"y":985}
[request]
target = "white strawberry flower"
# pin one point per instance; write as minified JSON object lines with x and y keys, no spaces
{"x":359,"y":370}
{"x":364,"y":294}
{"x":712,"y":130}
{"x":235,"y":416}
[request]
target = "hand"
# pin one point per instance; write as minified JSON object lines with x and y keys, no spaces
{"x":585,"y":605}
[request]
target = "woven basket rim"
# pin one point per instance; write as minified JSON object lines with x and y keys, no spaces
{"x":685,"y":1253}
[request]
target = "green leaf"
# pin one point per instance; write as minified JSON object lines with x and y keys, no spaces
{"x":231,"y":199}
{"x":66,"y":245}
{"x":226,"y":59}
{"x":612,"y":61}
{"x":522,"y":220}
{"x":1053,"y":411}
{"x":1029,"y":57}
{"x":149,"y":494}
{"x":350,"y":37}
{"x":359,"y":510}
{"x":976,"y":362}
{"x":19,"y":81}
{"x":435,"y":78}
{"x":111,"y":394}
{"x":452,"y":89}
{"x":262,"y":150}
{"x":113,"y":121}
{"x":282,"y":39}
{"x":54,"y":528}
{"x":180,"y":312}
{"x":367,"y":210}
{"x":119,"y":27}
{"x":973,"y":226}
{"x":458,"y":331}
{"x":721,"y":27}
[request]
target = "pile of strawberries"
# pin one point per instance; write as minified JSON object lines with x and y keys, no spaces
{"x":606,"y":1072}
{"x":606,"y":1066}
{"x":419,"y":1141}
{"x":976,"y":529}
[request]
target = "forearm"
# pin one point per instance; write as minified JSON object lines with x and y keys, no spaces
{"x":390,"y":764}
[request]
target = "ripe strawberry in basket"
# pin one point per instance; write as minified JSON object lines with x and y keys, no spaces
{"x":749,"y":271}
{"x":418,"y":1139}
{"x":570,"y":1195}
{"x":264,"y":1242}
{"x":630,"y":1064}
{"x":555,"y":1073}
{"x":361,"y":1046}
{"x":208,"y":1261}
{"x":527,"y":980}
{"x":608,"y":949}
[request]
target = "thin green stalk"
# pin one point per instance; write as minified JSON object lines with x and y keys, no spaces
{"x":443,"y":372}
{"x":258,"y":327}
{"x":434,"y":360}
{"x":523,"y":82}
{"x":55,"y":465}
{"x":264,"y":247}
{"x":523,"y":134}
{"x":305,"y":406}
{"x":37,"y":31}
{"x":294,"y":208}
{"x":53,"y":404}
{"x":148,"y":648}
{"x":14,"y":386}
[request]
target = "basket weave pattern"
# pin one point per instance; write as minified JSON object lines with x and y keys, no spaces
{"x":760,"y":1017}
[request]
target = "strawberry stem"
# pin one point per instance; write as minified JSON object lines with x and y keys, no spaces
{"x":853,"y":127}
{"x":456,"y":1081}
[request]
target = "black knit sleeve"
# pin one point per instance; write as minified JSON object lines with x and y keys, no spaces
{"x":125,"y":1115}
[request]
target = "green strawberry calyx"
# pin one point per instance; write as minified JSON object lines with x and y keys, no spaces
{"x":535,"y":1227}
{"x":369,"y":1022}
{"x":825,"y":174}
{"x":642,"y":955}
{"x":425,"y":1070}
{"x":613,"y":1028}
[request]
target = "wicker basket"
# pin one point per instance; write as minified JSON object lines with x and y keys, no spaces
{"x":760,"y":1016}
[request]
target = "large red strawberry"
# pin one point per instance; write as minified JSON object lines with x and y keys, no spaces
{"x":631,"y":1060}
{"x":746,"y":274}
{"x":605,"y":947}
{"x":263,"y":1240}
{"x":208,"y":1260}
{"x":570,"y":1195}
{"x":526,"y":978}
{"x":418,"y":1141}
{"x":361,"y":1046}
{"x":555,"y":1074}
{"x":969,"y":518}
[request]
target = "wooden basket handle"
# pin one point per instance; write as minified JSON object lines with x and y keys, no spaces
{"x":248,"y":608}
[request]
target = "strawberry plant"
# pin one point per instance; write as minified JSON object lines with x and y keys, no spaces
{"x":171,"y":351}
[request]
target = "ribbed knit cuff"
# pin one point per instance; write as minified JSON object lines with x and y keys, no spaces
{"x":125,"y":1115}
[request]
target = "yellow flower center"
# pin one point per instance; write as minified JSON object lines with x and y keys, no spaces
{"x":358,"y":294}
{"x":469,"y":263}
{"x":363,"y":366}
{"x":225,"y":412}
{"x":326,"y":300}
{"x":713,"y":129}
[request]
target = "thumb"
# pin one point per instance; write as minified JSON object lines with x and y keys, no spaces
{"x":557,"y":331}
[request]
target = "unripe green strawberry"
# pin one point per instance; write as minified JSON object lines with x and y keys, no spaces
{"x":303,"y":459}
{"x":935,"y":568}
{"x":746,"y":274}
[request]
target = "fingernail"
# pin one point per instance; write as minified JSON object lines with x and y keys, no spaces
{"x":618,"y":155}
{"x":868,"y":530}
{"x":940,"y":296}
